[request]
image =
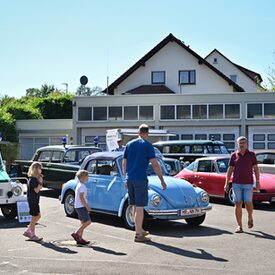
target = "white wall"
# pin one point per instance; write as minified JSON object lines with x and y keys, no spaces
{"x":228,"y":69}
{"x":172,"y":58}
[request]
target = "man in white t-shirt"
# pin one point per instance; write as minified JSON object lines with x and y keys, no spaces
{"x":81,"y":206}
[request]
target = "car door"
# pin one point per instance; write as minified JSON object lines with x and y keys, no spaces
{"x":206,"y":176}
{"x":105,"y":186}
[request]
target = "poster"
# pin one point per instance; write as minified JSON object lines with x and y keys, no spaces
{"x":23,"y":211}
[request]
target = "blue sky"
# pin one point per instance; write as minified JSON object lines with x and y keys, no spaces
{"x":58,"y":41}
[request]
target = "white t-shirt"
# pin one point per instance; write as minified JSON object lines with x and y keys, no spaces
{"x":80,"y":188}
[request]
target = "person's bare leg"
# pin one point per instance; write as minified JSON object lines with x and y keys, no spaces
{"x":238,"y":213}
{"x":139,"y":215}
{"x":82,"y":227}
{"x":249,"y":209}
{"x":32,"y":224}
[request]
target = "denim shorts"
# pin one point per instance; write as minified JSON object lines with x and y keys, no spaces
{"x":83,"y":214}
{"x":242,"y":192}
{"x":138,"y":192}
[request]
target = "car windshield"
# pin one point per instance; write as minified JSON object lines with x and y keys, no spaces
{"x":2,"y":167}
{"x":190,"y":167}
{"x":217,"y":149}
{"x":150,"y":170}
{"x":222,"y":165}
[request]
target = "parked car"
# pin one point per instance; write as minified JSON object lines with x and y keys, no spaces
{"x":11,"y":192}
{"x":189,"y":150}
{"x":266,"y":161}
{"x":175,"y":166}
{"x":60,"y":163}
{"x":107,"y":193}
{"x":210,"y":173}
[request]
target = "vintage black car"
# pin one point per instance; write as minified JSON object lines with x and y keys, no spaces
{"x":60,"y":163}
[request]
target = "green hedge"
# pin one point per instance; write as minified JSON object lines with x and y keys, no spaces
{"x":7,"y":126}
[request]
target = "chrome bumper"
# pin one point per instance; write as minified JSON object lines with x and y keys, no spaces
{"x":176,"y":212}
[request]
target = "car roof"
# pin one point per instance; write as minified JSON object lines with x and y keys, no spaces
{"x":213,"y":158}
{"x":104,"y":155}
{"x":267,"y":151}
{"x":66,"y":147}
{"x":188,"y":142}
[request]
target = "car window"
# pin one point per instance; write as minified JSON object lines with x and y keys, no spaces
{"x":102,"y":167}
{"x":198,"y":149}
{"x":217,"y":149}
{"x":190,"y":167}
{"x":150,"y":170}
{"x":206,"y":166}
{"x":57,"y":156}
{"x":44,"y":156}
{"x":70,"y":156}
{"x":222,"y":165}
{"x":260,"y":158}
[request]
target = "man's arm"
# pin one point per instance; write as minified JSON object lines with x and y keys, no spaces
{"x":158,"y":171}
{"x":228,"y":177}
{"x":124,"y":164}
{"x":257,"y":175}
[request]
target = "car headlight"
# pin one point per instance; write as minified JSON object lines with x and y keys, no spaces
{"x":205,"y":197}
{"x":17,"y":190}
{"x":156,"y":200}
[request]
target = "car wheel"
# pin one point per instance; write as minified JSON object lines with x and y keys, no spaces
{"x":69,"y":204}
{"x":196,"y":221}
{"x":128,"y":216}
{"x":9,"y":211}
{"x":229,"y":196}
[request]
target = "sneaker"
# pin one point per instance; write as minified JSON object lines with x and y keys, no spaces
{"x":27,"y":234}
{"x":141,"y":239}
{"x":36,"y":238}
{"x":82,"y":241}
{"x":76,"y":237}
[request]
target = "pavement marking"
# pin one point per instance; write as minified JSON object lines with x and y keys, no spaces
{"x":222,"y":269}
{"x":17,"y":249}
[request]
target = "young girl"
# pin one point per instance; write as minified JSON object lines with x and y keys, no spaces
{"x":34,"y":187}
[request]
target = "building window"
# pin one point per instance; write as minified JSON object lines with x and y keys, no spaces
{"x":175,"y":137}
{"x":100,"y":113}
{"x":187,"y":77}
{"x":259,"y":137}
{"x":259,"y":145}
{"x":84,"y":113}
{"x":269,"y":110}
{"x":228,"y":136}
{"x":146,"y":113}
{"x":214,"y":136}
{"x":271,"y":137}
{"x":199,"y":111}
{"x":183,"y":112}
{"x":215,"y":61}
{"x":254,"y":110}
{"x":130,"y":112}
{"x":158,"y":77}
{"x":271,"y":145}
{"x":233,"y":77}
{"x":115,"y":113}
{"x":167,"y":112}
{"x":215,"y":111}
{"x":187,"y":136}
{"x":200,"y":136}
{"x":232,"y":111}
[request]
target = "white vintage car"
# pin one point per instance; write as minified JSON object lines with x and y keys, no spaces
{"x":11,"y":191}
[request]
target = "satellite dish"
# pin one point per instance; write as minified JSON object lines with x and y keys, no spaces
{"x":83,"y":80}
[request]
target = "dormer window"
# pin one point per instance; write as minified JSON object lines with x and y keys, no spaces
{"x":215,"y":61}
{"x":158,"y":77}
{"x":233,"y":77}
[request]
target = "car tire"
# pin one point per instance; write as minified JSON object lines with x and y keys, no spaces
{"x":229,"y":196}
{"x":196,"y":221}
{"x":69,"y":204}
{"x":9,"y":211}
{"x":128,"y":216}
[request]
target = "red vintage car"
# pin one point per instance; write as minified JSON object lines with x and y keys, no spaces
{"x":209,"y":173}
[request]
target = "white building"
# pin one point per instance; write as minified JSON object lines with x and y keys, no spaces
{"x":174,"y":88}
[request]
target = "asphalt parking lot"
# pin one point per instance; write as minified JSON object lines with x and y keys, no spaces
{"x":176,"y":248}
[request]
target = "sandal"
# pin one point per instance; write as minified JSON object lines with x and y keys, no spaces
{"x":141,"y":239}
{"x":145,"y":233}
{"x":250,"y":224}
{"x":239,"y":230}
{"x":34,"y":238}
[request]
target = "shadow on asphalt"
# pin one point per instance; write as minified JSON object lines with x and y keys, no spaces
{"x":51,"y":193}
{"x":57,"y":248}
{"x":202,"y":254}
{"x":108,"y":251}
{"x":261,"y":234}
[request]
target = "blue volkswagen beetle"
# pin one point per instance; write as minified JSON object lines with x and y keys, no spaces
{"x":107,"y":193}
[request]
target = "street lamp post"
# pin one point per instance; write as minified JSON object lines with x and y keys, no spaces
{"x":66,"y":84}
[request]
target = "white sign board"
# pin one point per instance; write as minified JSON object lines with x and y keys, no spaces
{"x":23,"y":211}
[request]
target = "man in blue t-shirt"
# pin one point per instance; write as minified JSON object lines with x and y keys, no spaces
{"x":137,"y":155}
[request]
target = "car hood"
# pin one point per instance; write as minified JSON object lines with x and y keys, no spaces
{"x":4,"y":177}
{"x":179,"y":192}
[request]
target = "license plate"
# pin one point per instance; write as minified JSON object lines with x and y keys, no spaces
{"x":273,"y":199}
{"x":190,"y":211}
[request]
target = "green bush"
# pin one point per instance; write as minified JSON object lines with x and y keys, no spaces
{"x":22,"y":111}
{"x":7,"y":126}
{"x":9,"y":152}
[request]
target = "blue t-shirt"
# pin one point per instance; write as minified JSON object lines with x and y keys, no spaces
{"x":138,"y":153}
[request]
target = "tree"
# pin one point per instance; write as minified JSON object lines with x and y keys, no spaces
{"x":270,"y":85}
{"x":45,"y":91}
{"x":87,"y":91}
{"x":33,"y":92}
